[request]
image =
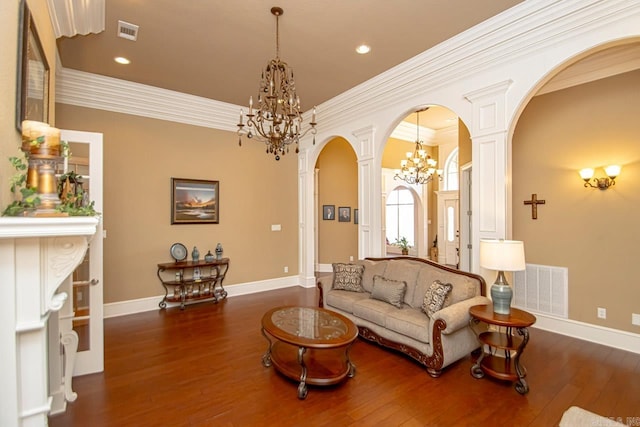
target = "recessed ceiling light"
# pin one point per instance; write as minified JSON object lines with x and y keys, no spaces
{"x":121,"y":60}
{"x":363,"y":48}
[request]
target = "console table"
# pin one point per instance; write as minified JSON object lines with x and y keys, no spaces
{"x":508,"y":367}
{"x":192,"y":281}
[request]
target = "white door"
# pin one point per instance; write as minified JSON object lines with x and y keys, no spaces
{"x":86,"y":295}
{"x":448,"y":227}
{"x":452,"y":232}
{"x":465,"y":219}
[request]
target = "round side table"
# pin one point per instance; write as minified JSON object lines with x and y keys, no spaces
{"x":502,"y":337}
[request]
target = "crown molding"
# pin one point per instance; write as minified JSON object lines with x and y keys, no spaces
{"x":517,"y":32}
{"x":406,"y":131}
{"x":610,"y":62}
{"x":106,"y":93}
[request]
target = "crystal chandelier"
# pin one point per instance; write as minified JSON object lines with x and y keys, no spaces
{"x":418,"y":167}
{"x":277,"y":120}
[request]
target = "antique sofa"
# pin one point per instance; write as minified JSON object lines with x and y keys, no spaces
{"x":412,"y":305}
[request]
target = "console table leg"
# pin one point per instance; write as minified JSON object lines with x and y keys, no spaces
{"x":521,"y":386}
{"x":302,"y":388}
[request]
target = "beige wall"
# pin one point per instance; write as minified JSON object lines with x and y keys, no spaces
{"x":592,"y":232}
{"x":9,"y":136}
{"x":338,"y":186}
{"x":140,"y":157}
{"x":464,"y":144}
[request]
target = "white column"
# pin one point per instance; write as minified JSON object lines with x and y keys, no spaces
{"x":490,"y":191}
{"x":306,"y":205}
{"x":369,"y":199}
{"x":37,"y":254}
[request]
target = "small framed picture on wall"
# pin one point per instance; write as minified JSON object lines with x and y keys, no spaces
{"x":344,"y":214}
{"x":329,"y":212}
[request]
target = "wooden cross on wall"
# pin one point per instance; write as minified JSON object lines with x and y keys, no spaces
{"x":534,"y":202}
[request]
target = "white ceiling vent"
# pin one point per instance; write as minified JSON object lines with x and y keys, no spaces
{"x":127,"y":31}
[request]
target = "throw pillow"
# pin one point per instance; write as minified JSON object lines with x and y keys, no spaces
{"x":391,"y":291}
{"x":348,"y":277}
{"x":435,"y":296}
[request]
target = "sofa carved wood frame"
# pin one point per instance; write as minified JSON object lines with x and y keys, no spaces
{"x":434,"y":362}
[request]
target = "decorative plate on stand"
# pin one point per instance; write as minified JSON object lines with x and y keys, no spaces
{"x":178,"y":252}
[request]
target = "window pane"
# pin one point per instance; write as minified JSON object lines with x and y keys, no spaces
{"x":450,"y":224}
{"x":405,"y":226}
{"x":404,"y":197}
{"x":392,"y":223}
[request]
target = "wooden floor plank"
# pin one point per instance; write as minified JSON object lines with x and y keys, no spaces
{"x":202,"y":367}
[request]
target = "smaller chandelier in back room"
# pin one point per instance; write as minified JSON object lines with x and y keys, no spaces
{"x":418,"y":167}
{"x":276,"y":120}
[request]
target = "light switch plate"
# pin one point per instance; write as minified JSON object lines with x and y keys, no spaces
{"x":635,"y":319}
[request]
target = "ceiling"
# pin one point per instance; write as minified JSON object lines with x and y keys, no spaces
{"x":217,"y":49}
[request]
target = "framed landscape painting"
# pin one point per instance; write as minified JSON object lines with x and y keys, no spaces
{"x":195,"y":201}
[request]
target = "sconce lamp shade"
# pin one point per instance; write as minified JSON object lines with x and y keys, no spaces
{"x":612,"y":171}
{"x":586,"y":173}
{"x":502,"y":255}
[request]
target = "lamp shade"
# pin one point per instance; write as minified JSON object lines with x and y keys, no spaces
{"x":502,"y":255}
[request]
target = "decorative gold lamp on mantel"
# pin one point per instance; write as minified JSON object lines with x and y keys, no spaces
{"x":612,"y":172}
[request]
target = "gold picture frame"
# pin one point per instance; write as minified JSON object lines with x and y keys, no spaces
{"x":32,"y":98}
{"x":195,"y":201}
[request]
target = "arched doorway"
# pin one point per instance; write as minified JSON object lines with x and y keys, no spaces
{"x":446,"y":139}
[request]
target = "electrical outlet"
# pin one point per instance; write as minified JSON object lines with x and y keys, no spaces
{"x":602,"y":313}
{"x":351,"y":258}
{"x":286,"y":269}
{"x":635,"y":319}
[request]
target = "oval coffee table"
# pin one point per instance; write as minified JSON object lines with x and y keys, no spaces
{"x":310,"y":345}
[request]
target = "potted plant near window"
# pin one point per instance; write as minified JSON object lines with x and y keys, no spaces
{"x":403,"y":244}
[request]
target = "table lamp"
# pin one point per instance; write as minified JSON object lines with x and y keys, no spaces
{"x":502,"y":255}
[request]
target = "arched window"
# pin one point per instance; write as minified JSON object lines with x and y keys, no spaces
{"x":451,"y":180}
{"x":400,"y":215}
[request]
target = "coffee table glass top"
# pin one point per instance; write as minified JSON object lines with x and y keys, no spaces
{"x":309,"y":323}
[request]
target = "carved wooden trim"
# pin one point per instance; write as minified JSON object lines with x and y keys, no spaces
{"x":483,"y":284}
{"x":320,"y":295}
{"x":433,"y":363}
{"x":69,"y":342}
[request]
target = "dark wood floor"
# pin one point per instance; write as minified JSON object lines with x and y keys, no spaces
{"x":202,"y":367}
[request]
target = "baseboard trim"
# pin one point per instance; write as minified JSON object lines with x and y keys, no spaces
{"x":123,"y":308}
{"x":325,"y":268}
{"x":623,"y":340}
{"x":593,"y":333}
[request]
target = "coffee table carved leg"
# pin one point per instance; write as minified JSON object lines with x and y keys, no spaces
{"x":266,"y":358}
{"x":521,"y":386}
{"x":302,"y":388}
{"x":351,"y":366}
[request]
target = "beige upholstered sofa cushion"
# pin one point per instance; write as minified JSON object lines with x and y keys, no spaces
{"x":404,"y":271}
{"x":463,"y":287}
{"x":371,"y":268}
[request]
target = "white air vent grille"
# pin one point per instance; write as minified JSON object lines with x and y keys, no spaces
{"x":127,"y":31}
{"x":542,"y":288}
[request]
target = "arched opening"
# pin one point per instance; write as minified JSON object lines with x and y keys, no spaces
{"x":437,"y":208}
{"x":584,"y":116}
{"x":336,"y":201}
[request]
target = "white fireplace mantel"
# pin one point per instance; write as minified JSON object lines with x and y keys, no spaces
{"x":36,"y":256}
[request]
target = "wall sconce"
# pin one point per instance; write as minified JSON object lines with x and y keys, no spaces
{"x":602,"y":183}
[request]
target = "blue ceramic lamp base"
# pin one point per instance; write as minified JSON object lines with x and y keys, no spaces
{"x":501,"y":294}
